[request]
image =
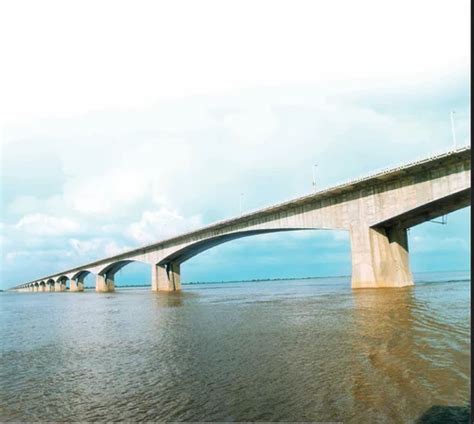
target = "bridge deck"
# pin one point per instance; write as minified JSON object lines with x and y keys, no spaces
{"x":346,"y":187}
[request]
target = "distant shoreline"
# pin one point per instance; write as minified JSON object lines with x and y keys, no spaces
{"x":257,"y":280}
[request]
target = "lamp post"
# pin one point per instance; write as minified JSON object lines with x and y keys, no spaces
{"x":240,"y":202}
{"x":314,"y":177}
{"x":452,"y":128}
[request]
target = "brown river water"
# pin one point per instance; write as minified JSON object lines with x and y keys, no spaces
{"x":295,"y":350}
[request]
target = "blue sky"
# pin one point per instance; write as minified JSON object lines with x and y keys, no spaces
{"x":123,"y":139}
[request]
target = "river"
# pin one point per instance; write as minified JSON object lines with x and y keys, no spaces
{"x":287,"y":350}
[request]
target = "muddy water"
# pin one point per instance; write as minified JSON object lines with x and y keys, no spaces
{"x":301,"y":350}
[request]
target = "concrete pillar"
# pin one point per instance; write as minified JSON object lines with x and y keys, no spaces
{"x":76,"y":286}
{"x":59,"y":287}
{"x":166,"y":277}
{"x":379,"y":257}
{"x":42,"y":288}
{"x":104,"y":283}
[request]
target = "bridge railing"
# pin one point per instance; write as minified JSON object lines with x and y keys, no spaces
{"x":400,"y":165}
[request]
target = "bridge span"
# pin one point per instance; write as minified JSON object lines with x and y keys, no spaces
{"x":376,"y":210}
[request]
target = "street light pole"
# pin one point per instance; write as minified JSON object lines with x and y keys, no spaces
{"x":452,"y":128}
{"x":240,"y":202}
{"x":314,"y":177}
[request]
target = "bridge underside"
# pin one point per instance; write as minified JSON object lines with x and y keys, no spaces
{"x":430,"y":211}
{"x":380,"y":255}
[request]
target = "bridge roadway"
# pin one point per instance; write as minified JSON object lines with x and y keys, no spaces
{"x":376,"y":210}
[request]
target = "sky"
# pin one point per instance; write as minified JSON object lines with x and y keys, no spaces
{"x":122,"y":123}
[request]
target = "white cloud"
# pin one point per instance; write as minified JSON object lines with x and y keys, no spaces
{"x":96,"y":247}
{"x":103,"y":194}
{"x":44,"y":225}
{"x":160,"y":224}
{"x":84,"y":247}
{"x":27,"y":204}
{"x":112,"y":248}
{"x":171,"y":49}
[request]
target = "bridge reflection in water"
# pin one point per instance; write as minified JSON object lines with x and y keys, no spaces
{"x":404,"y":350}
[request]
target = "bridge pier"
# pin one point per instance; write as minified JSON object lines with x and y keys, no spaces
{"x":104,"y":283}
{"x":75,"y":286}
{"x":59,"y":287}
{"x":379,"y":257}
{"x":166,"y":277}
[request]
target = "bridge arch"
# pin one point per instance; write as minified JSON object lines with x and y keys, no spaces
{"x":77,"y":280}
{"x":81,"y":275}
{"x":50,"y":285}
{"x":106,"y":276}
{"x":166,"y":274}
{"x":61,"y":283}
{"x":192,"y":249}
{"x":114,"y":267}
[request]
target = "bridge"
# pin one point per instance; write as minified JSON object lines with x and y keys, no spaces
{"x":376,"y":210}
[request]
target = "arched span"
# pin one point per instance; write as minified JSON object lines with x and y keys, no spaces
{"x":114,"y":267}
{"x":193,"y":249}
{"x":81,"y":275}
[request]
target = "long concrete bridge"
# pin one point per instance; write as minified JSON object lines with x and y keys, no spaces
{"x":376,"y":210}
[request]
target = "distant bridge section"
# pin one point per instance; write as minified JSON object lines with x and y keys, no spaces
{"x":376,"y":210}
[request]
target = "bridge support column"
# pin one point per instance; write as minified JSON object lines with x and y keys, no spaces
{"x":75,"y":286}
{"x":379,"y":257}
{"x":104,"y":283}
{"x":59,"y":287}
{"x":166,"y":277}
